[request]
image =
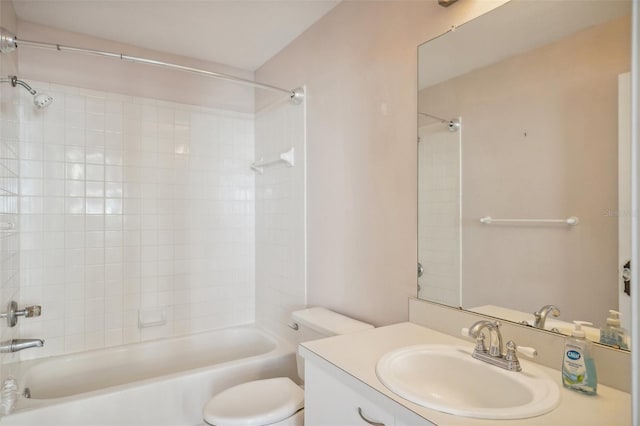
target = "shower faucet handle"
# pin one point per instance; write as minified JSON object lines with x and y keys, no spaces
{"x":30,"y":311}
{"x":13,"y":313}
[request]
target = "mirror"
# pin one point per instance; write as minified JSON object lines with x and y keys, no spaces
{"x":524,"y":162}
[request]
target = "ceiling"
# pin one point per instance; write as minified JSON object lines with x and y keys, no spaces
{"x":513,"y":28}
{"x":240,"y":33}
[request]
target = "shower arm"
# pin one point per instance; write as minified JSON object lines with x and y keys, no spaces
{"x":40,"y":100}
{"x":15,"y":82}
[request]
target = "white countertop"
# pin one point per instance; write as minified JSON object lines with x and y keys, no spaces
{"x":357,"y":355}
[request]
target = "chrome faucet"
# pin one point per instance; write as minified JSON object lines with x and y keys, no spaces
{"x":16,"y":345}
{"x":495,"y":346}
{"x":494,"y":356}
{"x":540,"y":317}
{"x":13,"y":313}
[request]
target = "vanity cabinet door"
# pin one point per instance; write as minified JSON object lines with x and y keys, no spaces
{"x":329,"y":402}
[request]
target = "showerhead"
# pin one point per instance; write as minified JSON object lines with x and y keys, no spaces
{"x":40,"y":100}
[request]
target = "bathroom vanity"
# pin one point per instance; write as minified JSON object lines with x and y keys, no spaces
{"x":342,"y":386}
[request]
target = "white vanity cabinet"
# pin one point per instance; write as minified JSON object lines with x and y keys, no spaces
{"x":334,"y":398}
{"x":340,"y":378}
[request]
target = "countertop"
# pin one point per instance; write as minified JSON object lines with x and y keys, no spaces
{"x":357,"y":355}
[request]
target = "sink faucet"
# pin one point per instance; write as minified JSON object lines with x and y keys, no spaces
{"x":16,"y":345}
{"x":495,"y":345}
{"x":494,"y":356}
{"x":540,"y":317}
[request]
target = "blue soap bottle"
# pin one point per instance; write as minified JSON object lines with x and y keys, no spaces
{"x":613,"y":334}
{"x":578,"y":367}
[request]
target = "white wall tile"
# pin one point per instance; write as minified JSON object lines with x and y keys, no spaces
{"x":439,"y":227}
{"x":279,"y":217}
{"x":122,"y":215}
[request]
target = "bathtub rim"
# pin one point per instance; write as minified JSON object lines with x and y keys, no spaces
{"x":281,"y":348}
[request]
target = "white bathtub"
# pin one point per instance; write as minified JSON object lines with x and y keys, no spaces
{"x":162,"y":382}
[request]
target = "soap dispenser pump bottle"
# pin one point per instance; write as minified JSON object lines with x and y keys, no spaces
{"x":613,"y":334}
{"x":578,"y":367}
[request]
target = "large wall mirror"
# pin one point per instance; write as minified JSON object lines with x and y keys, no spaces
{"x":524,"y":164}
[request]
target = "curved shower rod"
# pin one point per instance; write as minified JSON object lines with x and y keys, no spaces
{"x":9,"y":42}
{"x":453,"y":124}
{"x":442,"y":120}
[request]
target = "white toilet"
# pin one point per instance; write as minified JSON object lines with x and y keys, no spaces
{"x":278,"y":401}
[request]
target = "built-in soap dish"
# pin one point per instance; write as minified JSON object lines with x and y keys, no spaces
{"x":152,"y":317}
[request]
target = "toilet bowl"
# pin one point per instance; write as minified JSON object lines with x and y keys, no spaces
{"x":278,"y":401}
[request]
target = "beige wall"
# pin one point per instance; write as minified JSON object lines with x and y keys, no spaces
{"x":564,"y":97}
{"x":359,"y":66}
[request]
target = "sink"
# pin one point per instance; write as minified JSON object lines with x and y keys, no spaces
{"x":446,"y":378}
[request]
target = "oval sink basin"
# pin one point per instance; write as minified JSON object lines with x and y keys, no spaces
{"x":446,"y":378}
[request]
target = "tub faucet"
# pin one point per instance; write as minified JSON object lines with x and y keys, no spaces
{"x":16,"y":345}
{"x":540,"y":317}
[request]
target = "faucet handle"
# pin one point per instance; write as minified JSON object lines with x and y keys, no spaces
{"x":480,"y":346}
{"x":30,"y":311}
{"x":524,"y":350}
{"x":512,"y":361}
{"x":527,"y":351}
{"x":13,"y":313}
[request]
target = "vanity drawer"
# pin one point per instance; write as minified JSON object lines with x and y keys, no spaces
{"x":330,"y":402}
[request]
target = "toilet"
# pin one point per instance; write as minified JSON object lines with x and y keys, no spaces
{"x":278,"y":401}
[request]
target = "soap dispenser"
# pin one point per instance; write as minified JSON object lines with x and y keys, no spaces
{"x":578,"y":367}
{"x":613,"y":334}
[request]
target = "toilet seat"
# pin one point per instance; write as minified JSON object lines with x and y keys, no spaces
{"x":261,"y":402}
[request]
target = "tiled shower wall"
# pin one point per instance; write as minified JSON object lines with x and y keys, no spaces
{"x":280,"y":218}
{"x":133,"y":207}
{"x":439,"y":218}
{"x":9,"y":204}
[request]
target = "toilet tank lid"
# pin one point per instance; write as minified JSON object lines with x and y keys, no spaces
{"x":328,"y":322}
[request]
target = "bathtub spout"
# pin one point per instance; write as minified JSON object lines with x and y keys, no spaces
{"x":16,"y":345}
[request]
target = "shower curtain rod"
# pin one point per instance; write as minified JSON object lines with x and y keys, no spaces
{"x":442,"y":120}
{"x":9,"y":42}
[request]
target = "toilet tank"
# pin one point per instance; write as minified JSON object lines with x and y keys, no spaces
{"x":318,"y":323}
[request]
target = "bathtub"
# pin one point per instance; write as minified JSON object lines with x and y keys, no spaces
{"x":161,"y":382}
